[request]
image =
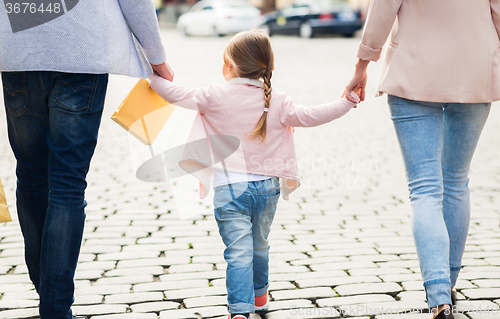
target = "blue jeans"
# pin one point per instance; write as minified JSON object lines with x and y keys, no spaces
{"x":53,"y":119}
{"x":244,"y":224}
{"x":437,"y":141}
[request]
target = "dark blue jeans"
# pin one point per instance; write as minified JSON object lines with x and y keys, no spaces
{"x":53,"y":119}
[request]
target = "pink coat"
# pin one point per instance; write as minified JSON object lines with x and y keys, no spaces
{"x":233,"y":109}
{"x":437,"y":50}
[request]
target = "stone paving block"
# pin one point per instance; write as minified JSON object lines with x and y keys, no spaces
{"x":171,"y":285}
{"x":100,"y":249}
{"x":290,"y":304}
{"x":304,"y":313}
{"x":138,"y":279}
{"x":476,"y":306}
{"x":382,"y":308}
{"x":307,"y":275}
{"x":317,"y":292}
{"x":470,"y":275}
{"x":17,"y":304}
{"x":485,"y":283}
{"x":179,"y":314}
{"x":378,"y":271}
{"x":413,"y":285}
{"x":196,"y":275}
{"x":15,"y":279}
{"x":94,"y":310}
{"x":152,"y":270}
{"x":210,"y":312}
{"x":374,"y":258}
{"x":401,"y":277}
{"x":128,"y":316}
{"x":194,"y":292}
{"x":88,"y":274}
{"x":357,"y":289}
{"x":103,"y":290}
{"x":353,"y":300}
{"x":485,"y":315}
{"x":154,"y":306}
{"x":414,"y":316}
{"x":335,"y":281}
{"x":21,"y":295}
{"x":189,"y":268}
{"x":15,"y":287}
{"x":319,"y":260}
{"x":399,"y":264}
{"x":481,"y":293}
{"x":96,"y":265}
{"x":127,"y":255}
{"x":344,"y":266}
{"x":161,"y":261}
{"x":465,"y":284}
{"x":81,"y":300}
{"x":412,"y":295}
{"x":133,"y":298}
{"x":281,"y":285}
{"x":205,"y":301}
{"x":19,"y":313}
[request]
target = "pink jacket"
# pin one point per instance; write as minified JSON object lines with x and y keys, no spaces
{"x":233,"y":109}
{"x":438,"y":50}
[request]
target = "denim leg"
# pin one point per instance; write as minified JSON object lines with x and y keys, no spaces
{"x":66,"y":113}
{"x":235,"y":227}
{"x":261,"y":225}
{"x":27,"y":123}
{"x":419,"y":127}
{"x":463,"y":124}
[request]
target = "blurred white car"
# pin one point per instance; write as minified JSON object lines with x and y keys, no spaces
{"x":219,"y":17}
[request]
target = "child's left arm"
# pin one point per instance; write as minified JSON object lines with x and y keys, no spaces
{"x":299,"y":116}
{"x":197,"y":99}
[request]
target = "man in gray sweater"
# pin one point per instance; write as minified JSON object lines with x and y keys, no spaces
{"x":55,"y":57}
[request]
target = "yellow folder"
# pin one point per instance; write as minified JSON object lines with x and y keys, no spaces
{"x":143,"y":113}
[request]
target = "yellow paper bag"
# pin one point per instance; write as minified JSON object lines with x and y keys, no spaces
{"x":4,"y":210}
{"x":143,"y":113}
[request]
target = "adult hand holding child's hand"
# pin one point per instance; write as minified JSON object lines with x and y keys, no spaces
{"x":164,"y":70}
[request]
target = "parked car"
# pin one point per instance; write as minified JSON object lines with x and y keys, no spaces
{"x":219,"y":17}
{"x":308,"y":18}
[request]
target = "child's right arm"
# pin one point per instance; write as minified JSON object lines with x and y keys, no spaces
{"x":299,"y":116}
{"x":197,"y":99}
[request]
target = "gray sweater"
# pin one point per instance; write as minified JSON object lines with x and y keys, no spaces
{"x":86,"y":36}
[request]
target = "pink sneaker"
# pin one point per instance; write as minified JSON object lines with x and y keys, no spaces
{"x":262,"y":302}
{"x":238,"y":317}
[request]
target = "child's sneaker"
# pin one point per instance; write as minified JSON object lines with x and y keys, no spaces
{"x":262,"y":302}
{"x":239,"y":316}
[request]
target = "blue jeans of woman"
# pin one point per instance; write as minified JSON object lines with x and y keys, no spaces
{"x":244,"y":214}
{"x":437,"y":141}
{"x":53,"y":120}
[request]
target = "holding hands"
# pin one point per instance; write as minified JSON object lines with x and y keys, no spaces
{"x":164,"y":70}
{"x":357,"y":82}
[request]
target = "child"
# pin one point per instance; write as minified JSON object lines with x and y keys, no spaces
{"x":247,"y":191}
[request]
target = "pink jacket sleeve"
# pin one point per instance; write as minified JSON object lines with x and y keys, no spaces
{"x":378,"y":25}
{"x":495,"y":13}
{"x":197,"y":99}
{"x":294,"y":115}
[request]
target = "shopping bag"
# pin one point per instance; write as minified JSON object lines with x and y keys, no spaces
{"x":143,"y":113}
{"x":4,"y":210}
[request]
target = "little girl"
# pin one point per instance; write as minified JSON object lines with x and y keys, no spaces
{"x":247,"y":190}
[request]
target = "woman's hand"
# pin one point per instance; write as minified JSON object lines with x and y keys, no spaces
{"x":163,"y":70}
{"x":357,"y":81}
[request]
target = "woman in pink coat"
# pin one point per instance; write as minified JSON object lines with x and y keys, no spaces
{"x":441,"y":72}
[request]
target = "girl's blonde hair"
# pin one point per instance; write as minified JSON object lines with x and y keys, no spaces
{"x":251,"y":55}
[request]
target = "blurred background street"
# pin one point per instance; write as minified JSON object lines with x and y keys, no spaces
{"x":341,"y":247}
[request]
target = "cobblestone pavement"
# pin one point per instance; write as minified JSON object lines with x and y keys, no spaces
{"x":341,"y":246}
